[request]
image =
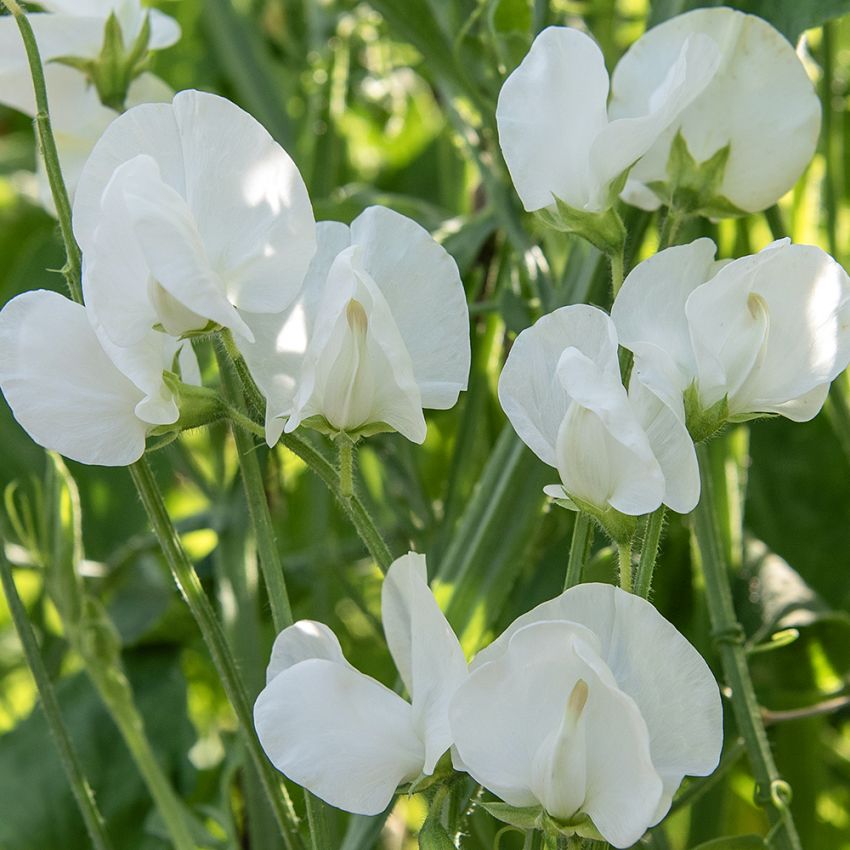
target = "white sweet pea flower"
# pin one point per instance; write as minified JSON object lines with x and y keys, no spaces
{"x":188,"y":213}
{"x":592,"y":705}
{"x":343,"y":735}
{"x":380,"y":330}
{"x":555,"y":131}
{"x":763,"y":334}
{"x":72,"y":391}
{"x":760,"y":99}
{"x":562,"y":392}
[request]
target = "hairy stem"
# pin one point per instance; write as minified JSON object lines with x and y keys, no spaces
{"x":772,"y":793}
{"x":624,"y":557}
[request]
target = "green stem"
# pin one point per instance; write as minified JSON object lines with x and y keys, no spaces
{"x":772,"y":793}
{"x":193,"y":593}
{"x":617,"y":260}
{"x":346,"y":466}
{"x":114,"y":690}
{"x":83,"y":793}
{"x":270,"y":560}
{"x":624,"y":555}
{"x":579,"y":546}
{"x":47,"y":143}
{"x":649,"y":551}
{"x":670,"y":228}
{"x":255,"y":496}
{"x":830,"y":204}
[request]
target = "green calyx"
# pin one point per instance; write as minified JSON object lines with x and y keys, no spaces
{"x":116,"y":67}
{"x":604,"y":230}
{"x":320,"y":424}
{"x":198,"y":406}
{"x":535,"y":817}
{"x":703,"y":422}
{"x":618,"y":526}
{"x":693,"y":188}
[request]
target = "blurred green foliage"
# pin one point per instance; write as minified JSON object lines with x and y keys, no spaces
{"x":392,"y":101}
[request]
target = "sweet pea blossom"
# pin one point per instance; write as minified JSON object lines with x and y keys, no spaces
{"x":555,"y":131}
{"x":766,"y":333}
{"x":343,"y":735}
{"x":188,"y":213}
{"x":759,"y":100}
{"x":562,"y":392}
{"x":591,"y":705}
{"x":66,"y":386}
{"x":380,"y":330}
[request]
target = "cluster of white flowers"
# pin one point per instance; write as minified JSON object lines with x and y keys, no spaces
{"x":193,"y":222}
{"x":191,"y":219}
{"x":565,"y":715}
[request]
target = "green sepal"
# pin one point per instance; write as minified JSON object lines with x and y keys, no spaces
{"x":618,"y":526}
{"x":433,"y":836}
{"x":702,"y":422}
{"x":208,"y":329}
{"x":693,"y":188}
{"x":580,"y":825}
{"x":604,"y":230}
{"x":198,"y":406}
{"x":115,"y":68}
{"x":528,"y":817}
{"x":320,"y":424}
{"x":443,"y":771}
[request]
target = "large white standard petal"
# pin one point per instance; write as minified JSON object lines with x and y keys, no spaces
{"x":792,"y":304}
{"x":425,"y":650}
{"x":62,"y":388}
{"x":421,"y":284}
{"x":340,"y":734}
{"x":302,"y":641}
{"x":672,"y":685}
{"x":760,"y":96}
{"x":545,"y":722}
{"x":252,"y":215}
{"x":530,"y":391}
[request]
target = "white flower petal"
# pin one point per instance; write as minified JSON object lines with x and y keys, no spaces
{"x":302,"y":641}
{"x":622,"y":142}
{"x":807,"y":296}
{"x":549,"y":112}
{"x":276,"y":356}
{"x":529,"y":390}
{"x":425,"y":650}
{"x":422,"y":286}
{"x":604,"y":456}
{"x":341,"y":735}
{"x":671,"y":444}
{"x":672,"y":685}
{"x":650,"y":306}
{"x":357,"y":370}
{"x":62,"y":387}
{"x":760,"y":94}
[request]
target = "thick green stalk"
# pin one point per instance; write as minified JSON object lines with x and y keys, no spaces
{"x":624,"y":556}
{"x":192,"y":591}
{"x":673,"y":220}
{"x":649,"y":552}
{"x":772,"y":793}
{"x":346,"y":466}
{"x":47,"y":143}
{"x":270,"y":560}
{"x":579,"y":546}
{"x":83,"y":794}
{"x":617,"y":260}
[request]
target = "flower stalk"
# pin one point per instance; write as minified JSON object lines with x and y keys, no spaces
{"x":649,"y":551}
{"x":579,"y":547}
{"x":772,"y":793}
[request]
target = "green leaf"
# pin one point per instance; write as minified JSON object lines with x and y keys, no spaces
{"x":38,"y":808}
